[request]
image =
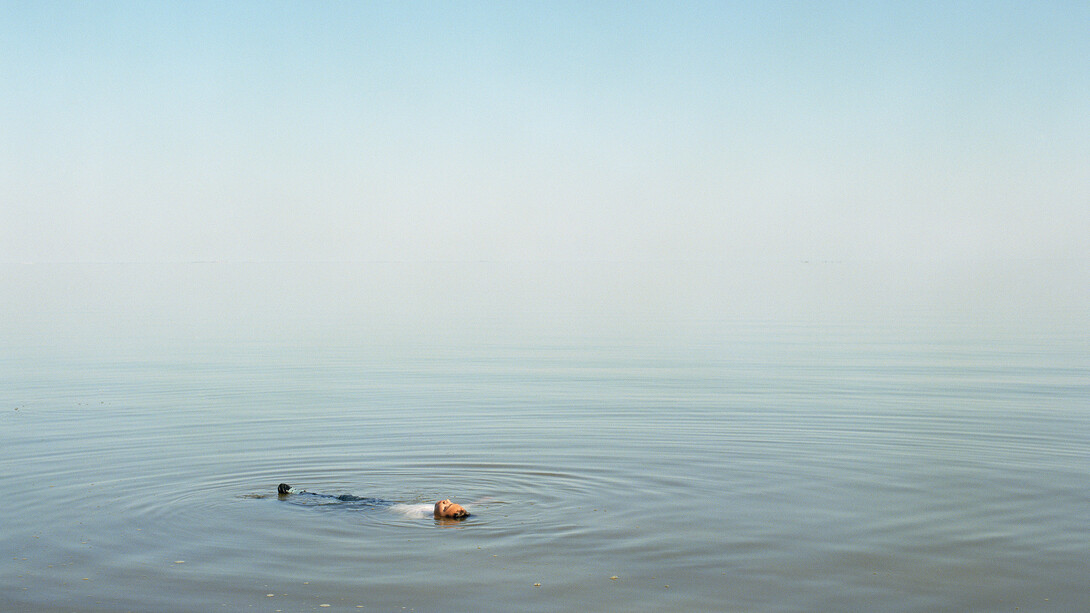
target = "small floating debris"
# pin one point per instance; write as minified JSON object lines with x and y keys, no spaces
{"x":537,"y":585}
{"x":269,"y":595}
{"x":614,"y":578}
{"x":179,"y":561}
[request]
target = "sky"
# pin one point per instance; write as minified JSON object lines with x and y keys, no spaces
{"x":544,"y":131}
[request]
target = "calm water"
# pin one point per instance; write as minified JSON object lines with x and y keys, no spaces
{"x":674,"y":437}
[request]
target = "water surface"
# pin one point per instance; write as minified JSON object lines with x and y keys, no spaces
{"x":668,"y":437}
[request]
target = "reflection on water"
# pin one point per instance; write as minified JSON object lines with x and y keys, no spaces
{"x":707,"y":454}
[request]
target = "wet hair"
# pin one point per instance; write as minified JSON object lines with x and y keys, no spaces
{"x":283,"y":488}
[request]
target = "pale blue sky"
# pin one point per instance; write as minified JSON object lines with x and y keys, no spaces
{"x":544,"y":131}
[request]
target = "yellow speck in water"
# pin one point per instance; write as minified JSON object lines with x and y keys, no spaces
{"x":614,"y":578}
{"x":323,"y":605}
{"x":269,"y":595}
{"x":537,"y":585}
{"x":179,"y":561}
{"x":86,"y":578}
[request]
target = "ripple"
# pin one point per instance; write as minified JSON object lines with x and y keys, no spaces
{"x":833,"y":466}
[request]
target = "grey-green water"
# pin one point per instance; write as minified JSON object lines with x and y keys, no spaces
{"x":667,"y":437}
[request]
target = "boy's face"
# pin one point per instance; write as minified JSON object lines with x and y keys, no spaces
{"x":448,"y":509}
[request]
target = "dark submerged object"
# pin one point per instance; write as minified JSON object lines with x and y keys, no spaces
{"x":284,"y":489}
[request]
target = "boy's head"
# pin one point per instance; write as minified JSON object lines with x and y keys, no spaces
{"x":450,"y":510}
